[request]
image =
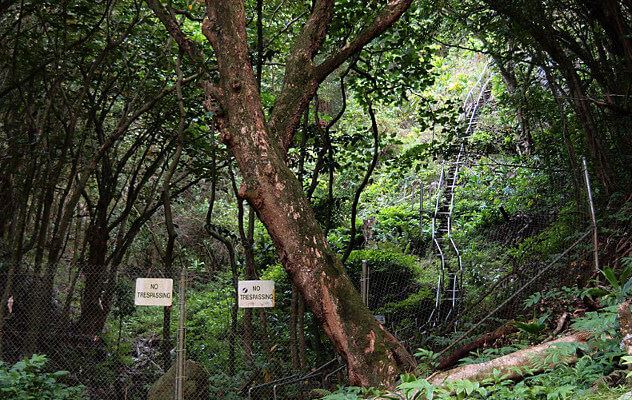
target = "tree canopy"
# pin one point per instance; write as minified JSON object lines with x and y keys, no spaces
{"x":293,"y":140}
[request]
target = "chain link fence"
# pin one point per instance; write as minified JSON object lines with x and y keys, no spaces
{"x":239,"y":353}
{"x":265,"y":360}
{"x":508,"y":256}
{"x":116,"y":350}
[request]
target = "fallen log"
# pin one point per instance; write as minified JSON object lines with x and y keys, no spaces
{"x":482,"y":341}
{"x":510,"y":364}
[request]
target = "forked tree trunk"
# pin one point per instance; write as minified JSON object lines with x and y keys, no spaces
{"x":374,"y":357}
{"x":94,"y":308}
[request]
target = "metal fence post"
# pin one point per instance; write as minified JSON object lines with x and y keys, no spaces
{"x":364,"y":286}
{"x":421,"y":210}
{"x":367,"y":284}
{"x":593,"y":218}
{"x":180,"y":351}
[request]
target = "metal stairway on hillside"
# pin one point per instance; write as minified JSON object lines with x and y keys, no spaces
{"x":449,"y":282}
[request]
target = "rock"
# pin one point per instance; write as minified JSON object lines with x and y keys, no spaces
{"x":195,"y":383}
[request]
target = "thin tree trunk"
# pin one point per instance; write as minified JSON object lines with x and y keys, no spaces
{"x":511,"y":81}
{"x":482,"y":341}
{"x":365,"y":181}
{"x":17,"y":232}
{"x":246,"y":235}
{"x":300,"y":332}
{"x":210,"y":228}
{"x":570,"y":148}
{"x":93,"y":309}
{"x":595,"y":146}
{"x":171,"y":232}
{"x":41,"y":301}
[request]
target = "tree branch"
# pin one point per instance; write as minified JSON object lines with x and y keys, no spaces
{"x":172,"y":26}
{"x":302,"y":77}
{"x":512,"y":365}
{"x":384,"y":20}
{"x":299,"y":84}
{"x":365,"y":181}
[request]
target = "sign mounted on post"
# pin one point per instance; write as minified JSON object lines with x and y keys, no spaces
{"x":153,"y":292}
{"x":255,"y":294}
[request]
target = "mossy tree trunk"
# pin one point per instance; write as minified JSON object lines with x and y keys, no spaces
{"x":374,"y":357}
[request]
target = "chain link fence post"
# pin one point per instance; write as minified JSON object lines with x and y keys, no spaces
{"x":180,"y":351}
{"x":364,"y":283}
{"x":593,"y":218}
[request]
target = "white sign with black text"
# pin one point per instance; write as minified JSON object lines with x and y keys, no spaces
{"x":153,"y":292}
{"x":255,"y":294}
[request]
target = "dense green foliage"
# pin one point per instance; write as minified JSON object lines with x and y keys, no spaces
{"x":590,"y":377}
{"x":112,"y":167}
{"x":28,"y":379}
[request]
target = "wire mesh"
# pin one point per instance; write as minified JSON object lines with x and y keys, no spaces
{"x":251,"y":353}
{"x":125,"y":357}
{"x":506,"y":260}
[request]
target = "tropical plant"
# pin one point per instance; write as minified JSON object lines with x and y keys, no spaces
{"x":29,"y":380}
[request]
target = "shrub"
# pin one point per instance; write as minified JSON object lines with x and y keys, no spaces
{"x":393,"y":275}
{"x":27,"y":380}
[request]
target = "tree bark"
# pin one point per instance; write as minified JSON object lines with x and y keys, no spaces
{"x":374,"y":357}
{"x":93,"y":312}
{"x":365,"y":181}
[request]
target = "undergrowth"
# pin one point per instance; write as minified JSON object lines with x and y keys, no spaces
{"x":598,"y":371}
{"x":29,"y":380}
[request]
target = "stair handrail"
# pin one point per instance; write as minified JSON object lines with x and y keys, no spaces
{"x":471,"y":112}
{"x":474,"y":113}
{"x":439,"y":194}
{"x":439,"y":280}
{"x":471,"y":91}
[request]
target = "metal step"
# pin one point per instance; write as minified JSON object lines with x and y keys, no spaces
{"x":450,"y":285}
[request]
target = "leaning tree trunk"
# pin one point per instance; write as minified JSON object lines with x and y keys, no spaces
{"x":374,"y":357}
{"x":513,"y":365}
